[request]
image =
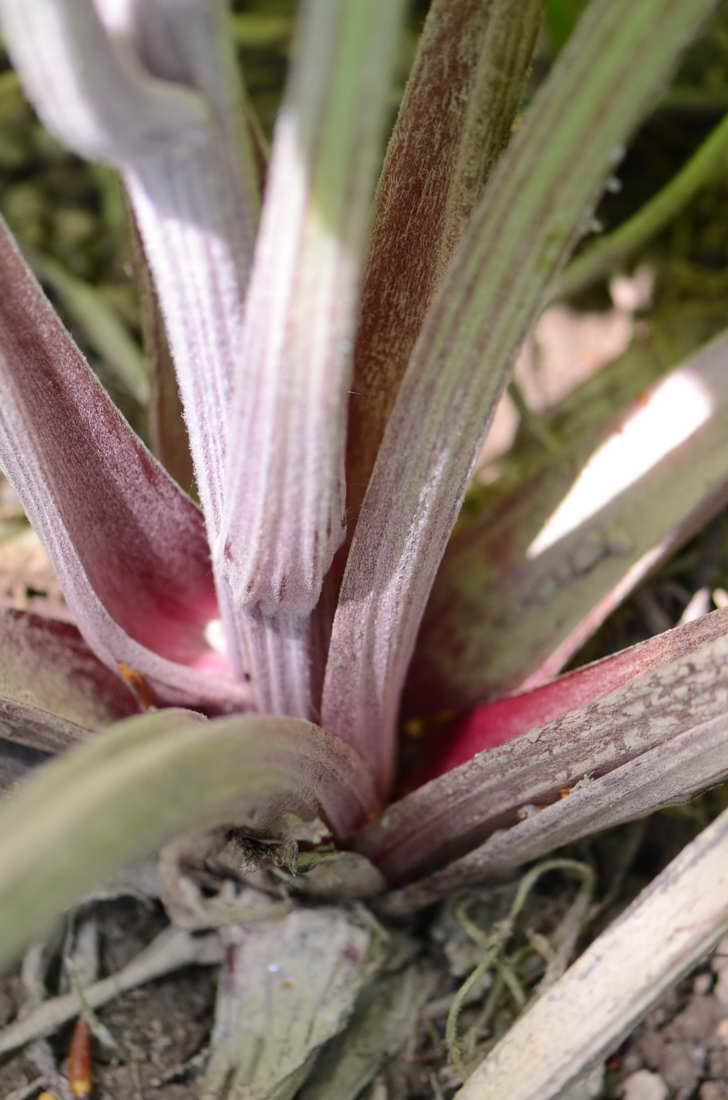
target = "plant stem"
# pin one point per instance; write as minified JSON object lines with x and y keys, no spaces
{"x":611,"y":251}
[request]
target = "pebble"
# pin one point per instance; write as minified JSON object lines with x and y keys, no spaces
{"x":644,"y":1085}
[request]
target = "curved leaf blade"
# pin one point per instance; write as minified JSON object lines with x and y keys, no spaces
{"x":285,"y":500}
{"x":45,"y":663}
{"x":128,"y":546}
{"x":123,"y":794}
{"x":196,"y":208}
{"x":584,"y":724}
{"x":523,"y":586}
{"x":53,"y":692}
{"x":155,"y":93}
{"x":670,"y":773}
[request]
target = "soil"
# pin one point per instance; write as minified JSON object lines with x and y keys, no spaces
{"x":681,"y":1048}
{"x":158,"y":1029}
{"x":161,"y":1030}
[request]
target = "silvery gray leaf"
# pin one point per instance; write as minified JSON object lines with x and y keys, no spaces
{"x":285,"y":989}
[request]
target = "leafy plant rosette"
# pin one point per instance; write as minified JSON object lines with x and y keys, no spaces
{"x":237,"y":671}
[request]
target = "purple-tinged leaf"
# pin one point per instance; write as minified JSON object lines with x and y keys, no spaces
{"x":197,"y":217}
{"x":39,"y":729}
{"x":128,"y":546}
{"x":102,"y":328}
{"x":506,"y":718}
{"x":584,"y":724}
{"x":285,"y":505}
{"x":285,"y":656}
{"x":148,"y":779}
{"x":454,"y":120}
{"x":53,"y":690}
{"x":524,"y":585}
{"x":522,"y":497}
{"x":534,"y":207}
{"x":154,"y":92}
{"x":671,"y":772}
{"x":285,"y":510}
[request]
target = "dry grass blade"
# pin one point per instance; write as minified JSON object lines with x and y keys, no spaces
{"x":569,"y":1029}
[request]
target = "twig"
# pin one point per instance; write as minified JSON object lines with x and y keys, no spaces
{"x":171,"y":950}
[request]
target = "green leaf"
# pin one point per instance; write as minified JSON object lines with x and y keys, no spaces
{"x":561,"y":18}
{"x":120,"y":796}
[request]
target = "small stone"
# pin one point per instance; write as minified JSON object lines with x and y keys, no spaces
{"x":696,"y":1020}
{"x":717,"y":1063}
{"x":680,"y":1065}
{"x":713,"y":1090}
{"x":644,"y":1085}
{"x":702,"y":984}
{"x":650,"y":1044}
{"x":632,"y":1061}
